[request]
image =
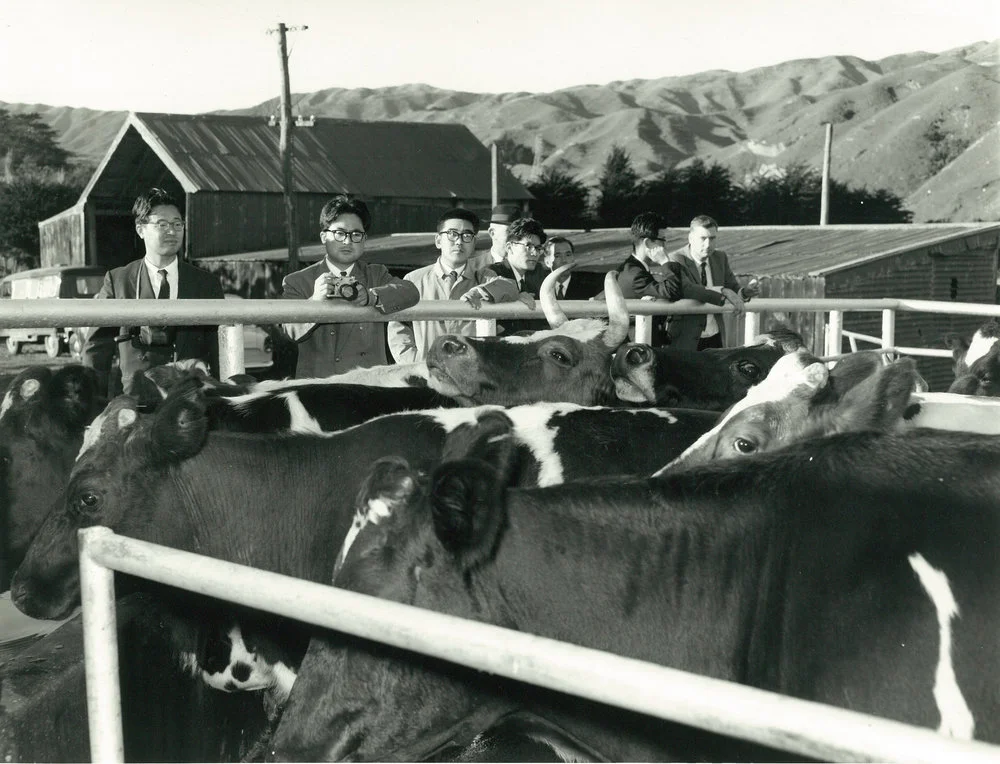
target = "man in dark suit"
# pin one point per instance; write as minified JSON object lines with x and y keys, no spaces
{"x":159,"y":274}
{"x":326,"y":349}
{"x":574,"y":285}
{"x":646,"y":274}
{"x":707,"y":277}
{"x":522,"y":265}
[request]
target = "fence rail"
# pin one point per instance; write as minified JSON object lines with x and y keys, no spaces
{"x":802,"y":727}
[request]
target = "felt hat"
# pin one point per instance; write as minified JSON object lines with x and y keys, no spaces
{"x":505,"y":214}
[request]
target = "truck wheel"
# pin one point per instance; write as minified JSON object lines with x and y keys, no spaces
{"x":52,"y":345}
{"x":13,"y":346}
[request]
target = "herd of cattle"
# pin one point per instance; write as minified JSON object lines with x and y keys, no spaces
{"x":747,"y":513}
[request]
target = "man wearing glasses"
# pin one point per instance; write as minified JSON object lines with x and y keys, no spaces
{"x":450,"y":277}
{"x":342,"y":275}
{"x":159,"y":274}
{"x":522,"y":264}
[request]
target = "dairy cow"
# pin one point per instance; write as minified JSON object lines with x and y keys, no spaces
{"x":976,"y":362}
{"x":858,"y":570}
{"x":708,"y":379}
{"x":286,"y":503}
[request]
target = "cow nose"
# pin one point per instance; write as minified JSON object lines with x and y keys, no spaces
{"x":638,"y":355}
{"x":450,"y":346}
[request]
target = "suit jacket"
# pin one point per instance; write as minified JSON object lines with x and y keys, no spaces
{"x":532,"y":284}
{"x":131,"y":282}
{"x":583,"y":285}
{"x":685,"y":331}
{"x":636,"y":281}
{"x":327,"y":349}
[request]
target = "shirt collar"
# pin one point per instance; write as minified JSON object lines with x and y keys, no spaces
{"x":442,"y":271}
{"x":152,"y":270}
{"x":335,"y":269}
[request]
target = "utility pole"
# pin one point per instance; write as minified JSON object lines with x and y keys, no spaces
{"x":824,"y":199}
{"x":495,"y":174}
{"x":285,"y":148}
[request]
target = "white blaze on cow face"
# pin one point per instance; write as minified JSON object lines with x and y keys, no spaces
{"x":126,"y":418}
{"x":792,"y":382}
{"x":978,"y":347}
{"x":956,"y":718}
{"x":301,"y":420}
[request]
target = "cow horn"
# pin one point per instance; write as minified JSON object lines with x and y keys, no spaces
{"x":547,"y":296}
{"x":617,"y":331}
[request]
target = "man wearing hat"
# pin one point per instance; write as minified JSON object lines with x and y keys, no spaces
{"x":503,"y":215}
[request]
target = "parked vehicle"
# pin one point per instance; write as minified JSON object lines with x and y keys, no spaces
{"x":60,"y":282}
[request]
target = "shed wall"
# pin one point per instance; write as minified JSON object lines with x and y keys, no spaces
{"x":63,"y":239}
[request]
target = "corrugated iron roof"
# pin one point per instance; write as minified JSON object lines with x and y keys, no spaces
{"x":215,"y":152}
{"x":757,"y":250}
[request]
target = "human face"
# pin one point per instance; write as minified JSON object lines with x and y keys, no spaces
{"x":343,"y":254}
{"x":702,"y":241}
{"x":558,"y":254}
{"x":523,"y":255}
{"x":498,"y":232}
{"x":165,"y":244}
{"x":455,"y":253}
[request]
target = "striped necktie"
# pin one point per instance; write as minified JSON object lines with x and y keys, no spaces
{"x":164,"y":291}
{"x":704,"y":274}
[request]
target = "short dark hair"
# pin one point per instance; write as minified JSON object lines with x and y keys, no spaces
{"x":458,"y":213}
{"x":154,"y":197}
{"x":647,"y":225}
{"x":344,"y":204}
{"x":562,"y":240}
{"x":704,"y":221}
{"x":522,"y":227}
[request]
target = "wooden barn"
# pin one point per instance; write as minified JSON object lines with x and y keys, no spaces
{"x":227,"y":169}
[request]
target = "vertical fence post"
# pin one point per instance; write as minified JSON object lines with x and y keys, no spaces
{"x":888,"y":328}
{"x":644,"y":329}
{"x":751,"y":327}
{"x":834,"y":332}
{"x":100,"y":652}
{"x":486,"y":327}
{"x":231,"y":356}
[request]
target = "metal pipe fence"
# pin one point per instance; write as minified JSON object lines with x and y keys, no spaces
{"x":802,"y":727}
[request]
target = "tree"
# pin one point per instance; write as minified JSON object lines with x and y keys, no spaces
{"x":679,"y":194}
{"x":23,"y":203}
{"x":617,"y":189}
{"x":560,"y":199}
{"x":26,"y":141}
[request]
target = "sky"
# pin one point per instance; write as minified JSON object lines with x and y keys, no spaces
{"x":190,"y":56}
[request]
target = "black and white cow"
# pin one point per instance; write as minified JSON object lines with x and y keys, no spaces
{"x":708,"y":379}
{"x":286,"y":503}
{"x":976,"y":362}
{"x":43,"y":417}
{"x":858,"y":570}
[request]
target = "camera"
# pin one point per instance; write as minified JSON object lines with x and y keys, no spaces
{"x":345,"y":289}
{"x":149,"y":336}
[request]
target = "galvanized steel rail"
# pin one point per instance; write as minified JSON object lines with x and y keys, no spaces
{"x":803,"y":727}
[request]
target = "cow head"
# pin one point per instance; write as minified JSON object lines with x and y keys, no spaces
{"x":420,"y":540}
{"x":977,"y":363}
{"x":123,"y":455}
{"x":801,"y":399}
{"x":707,"y":379}
{"x":569,"y":362}
{"x":42,"y":420}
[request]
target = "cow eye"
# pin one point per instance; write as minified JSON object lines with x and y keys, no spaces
{"x":744,"y":446}
{"x":559,"y":357}
{"x":88,"y":500}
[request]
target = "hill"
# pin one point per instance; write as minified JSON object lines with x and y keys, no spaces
{"x":923,"y":125}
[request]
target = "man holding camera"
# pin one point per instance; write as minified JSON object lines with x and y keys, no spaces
{"x":342,"y":275}
{"x":159,"y":274}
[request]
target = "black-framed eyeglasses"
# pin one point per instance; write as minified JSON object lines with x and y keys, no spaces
{"x":166,"y":225}
{"x":529,"y":247}
{"x":339,"y":234}
{"x":465,"y":236}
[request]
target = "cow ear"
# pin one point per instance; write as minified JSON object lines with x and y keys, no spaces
{"x":488,"y":439}
{"x":467,"y":504}
{"x":878,"y":402}
{"x":180,"y":427}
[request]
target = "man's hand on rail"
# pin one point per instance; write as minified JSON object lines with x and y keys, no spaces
{"x":735,"y":300}
{"x":476,"y":297}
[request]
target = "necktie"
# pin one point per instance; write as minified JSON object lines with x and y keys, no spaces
{"x":164,"y":292}
{"x":561,"y":291}
{"x":704,"y":275}
{"x":451,"y":277}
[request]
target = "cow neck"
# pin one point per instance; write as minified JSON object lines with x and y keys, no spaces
{"x":674,"y":564}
